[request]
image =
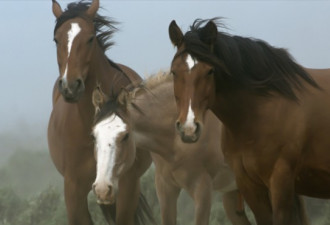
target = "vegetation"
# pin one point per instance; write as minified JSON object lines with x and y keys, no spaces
{"x":31,"y":193}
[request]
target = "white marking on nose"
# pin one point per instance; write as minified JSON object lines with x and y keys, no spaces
{"x":65,"y":71}
{"x":191,"y":62}
{"x":106,"y":133}
{"x":190,"y":118}
{"x":72,"y":34}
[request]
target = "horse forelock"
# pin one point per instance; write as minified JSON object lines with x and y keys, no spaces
{"x":104,"y":26}
{"x":108,"y":109}
{"x":247,"y":63}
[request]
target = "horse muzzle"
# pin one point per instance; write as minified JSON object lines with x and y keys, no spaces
{"x":189,"y":133}
{"x":71,"y":91}
{"x":105,"y":194}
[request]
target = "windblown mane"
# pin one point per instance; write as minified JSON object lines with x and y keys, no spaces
{"x":154,"y":80}
{"x":247,"y":63}
{"x":104,"y":26}
{"x":113,"y":106}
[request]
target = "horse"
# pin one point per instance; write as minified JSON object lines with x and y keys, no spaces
{"x":275,"y":113}
{"x":142,"y":118}
{"x":82,"y":36}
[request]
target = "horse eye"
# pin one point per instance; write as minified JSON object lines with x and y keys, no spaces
{"x":90,"y":40}
{"x":125,"y":137}
{"x":93,"y":137}
{"x":173,"y":74}
{"x":211,"y":72}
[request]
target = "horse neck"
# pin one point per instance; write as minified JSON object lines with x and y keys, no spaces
{"x":154,"y":125}
{"x":238,"y":110}
{"x":155,"y":103}
{"x":101,"y":72}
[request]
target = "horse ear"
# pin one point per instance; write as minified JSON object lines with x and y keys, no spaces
{"x":209,"y":33}
{"x":57,"y":11}
{"x":91,"y":11}
{"x":175,"y":33}
{"x":99,"y":98}
{"x":122,"y":98}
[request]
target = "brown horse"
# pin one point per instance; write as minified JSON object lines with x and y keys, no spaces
{"x":81,"y":37}
{"x":276,"y":115}
{"x":144,"y":118}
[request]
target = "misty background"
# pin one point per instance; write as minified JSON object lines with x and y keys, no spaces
{"x":28,"y":66}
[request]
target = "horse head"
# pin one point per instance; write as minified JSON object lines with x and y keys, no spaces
{"x":114,"y":145}
{"x":75,"y":39}
{"x":193,"y":82}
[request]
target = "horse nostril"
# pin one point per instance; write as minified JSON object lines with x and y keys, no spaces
{"x":177,"y":125}
{"x":60,"y":83}
{"x":197,"y":127}
{"x":79,"y":85}
{"x":79,"y":82}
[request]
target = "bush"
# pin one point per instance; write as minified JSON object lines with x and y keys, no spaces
{"x":27,"y":198}
{"x":29,"y":173}
{"x":11,"y":205}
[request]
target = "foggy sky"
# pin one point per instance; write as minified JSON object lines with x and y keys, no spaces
{"x":28,"y":66}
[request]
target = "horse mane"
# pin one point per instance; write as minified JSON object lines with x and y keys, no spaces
{"x":247,"y":63}
{"x":154,"y":80}
{"x":113,"y":105}
{"x":104,"y":26}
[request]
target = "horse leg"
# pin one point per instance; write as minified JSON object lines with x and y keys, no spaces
{"x":233,"y":204}
{"x":255,"y":195}
{"x":131,"y":207}
{"x":284,"y":200}
{"x":201,"y":191}
{"x":109,"y":213}
{"x":127,"y":198}
{"x":167,"y":196}
{"x":301,"y":210}
{"x":75,"y":192}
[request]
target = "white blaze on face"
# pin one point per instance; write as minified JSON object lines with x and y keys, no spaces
{"x":190,"y":62}
{"x":190,"y":123}
{"x":72,"y":34}
{"x":105,"y":133}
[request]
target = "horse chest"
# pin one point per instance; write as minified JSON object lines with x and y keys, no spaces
{"x":246,"y":162}
{"x":69,"y":137}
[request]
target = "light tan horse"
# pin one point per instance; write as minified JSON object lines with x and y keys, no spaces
{"x":144,"y":118}
{"x":81,"y":37}
{"x":276,"y":116}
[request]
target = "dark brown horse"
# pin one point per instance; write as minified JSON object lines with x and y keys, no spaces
{"x":276,"y":115}
{"x":81,"y":37}
{"x":143,"y":118}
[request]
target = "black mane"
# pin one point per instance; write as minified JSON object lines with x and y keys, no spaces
{"x":104,"y":26}
{"x":109,"y":108}
{"x":247,"y":63}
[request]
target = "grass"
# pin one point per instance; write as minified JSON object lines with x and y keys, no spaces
{"x":31,"y":193}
